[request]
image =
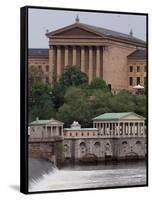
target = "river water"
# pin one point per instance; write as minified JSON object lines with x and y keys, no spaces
{"x":87,"y":176}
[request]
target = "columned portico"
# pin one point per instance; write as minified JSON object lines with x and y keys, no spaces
{"x":97,"y":61}
{"x":88,"y":58}
{"x":58,"y":61}
{"x":66,"y":56}
{"x":90,"y":64}
{"x":82,"y":59}
{"x":51,"y":62}
{"x":74,"y":56}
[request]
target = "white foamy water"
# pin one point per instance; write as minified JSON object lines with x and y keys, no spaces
{"x":86,"y":177}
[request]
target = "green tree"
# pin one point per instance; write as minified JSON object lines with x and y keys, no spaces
{"x":122,"y":102}
{"x":72,"y":76}
{"x":58,"y":92}
{"x":75,"y":107}
{"x":140,"y":105}
{"x":99,"y":102}
{"x":99,"y":83}
{"x":42,"y":105}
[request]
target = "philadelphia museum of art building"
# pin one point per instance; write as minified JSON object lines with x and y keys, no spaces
{"x":117,"y":58}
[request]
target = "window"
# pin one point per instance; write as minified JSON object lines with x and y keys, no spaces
{"x":88,"y":133}
{"x":47,"y":80}
{"x":130,"y":81}
{"x":145,"y":68}
{"x":47,"y":68}
{"x":109,"y":86}
{"x":138,"y":80}
{"x":138,"y":68}
{"x":76,"y":134}
{"x":145,"y":80}
{"x":40,"y":67}
{"x":82,"y":134}
{"x":131,"y":68}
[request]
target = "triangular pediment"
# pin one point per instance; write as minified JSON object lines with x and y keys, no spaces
{"x":75,"y":30}
{"x":133,"y":116}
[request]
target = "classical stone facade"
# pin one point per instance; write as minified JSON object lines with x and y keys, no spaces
{"x":114,"y":136}
{"x":97,"y":51}
{"x":137,"y":68}
{"x":45,"y":140}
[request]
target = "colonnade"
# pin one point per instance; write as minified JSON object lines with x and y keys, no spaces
{"x":91,"y":49}
{"x":121,"y":128}
{"x":51,"y":131}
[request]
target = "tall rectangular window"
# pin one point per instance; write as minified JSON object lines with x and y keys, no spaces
{"x":138,"y":68}
{"x":130,"y":81}
{"x":138,"y":80}
{"x":47,"y":68}
{"x":39,"y":67}
{"x":145,"y":68}
{"x":131,"y":68}
{"x":145,"y":80}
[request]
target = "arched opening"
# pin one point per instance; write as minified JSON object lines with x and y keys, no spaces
{"x":66,"y":148}
{"x":132,"y":155}
{"x":124,"y":142}
{"x":97,"y":144}
{"x":82,"y":145}
{"x":138,"y":142}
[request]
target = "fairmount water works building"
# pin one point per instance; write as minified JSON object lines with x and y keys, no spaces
{"x":114,"y":136}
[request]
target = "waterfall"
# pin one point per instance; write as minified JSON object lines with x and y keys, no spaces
{"x":37,"y":168}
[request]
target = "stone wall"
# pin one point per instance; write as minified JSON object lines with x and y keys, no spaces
{"x":94,"y":149}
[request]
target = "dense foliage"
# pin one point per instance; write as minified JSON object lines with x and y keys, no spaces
{"x":73,"y":98}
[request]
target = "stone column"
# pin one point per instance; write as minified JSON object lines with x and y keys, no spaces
{"x":57,"y":131}
{"x":98,"y":61}
{"x":134,"y":129}
{"x":52,"y":134}
{"x":123,"y":130}
{"x":118,"y":128}
{"x":143,"y":129}
{"x":138,"y":130}
{"x":82,"y":59}
{"x":126,"y":128}
{"x":103,"y":128}
{"x":109,"y":128}
{"x":58,"y":62}
{"x":74,"y":55}
{"x":90,"y":64}
{"x":66,"y":56}
{"x":112,"y":128}
{"x":62,"y":130}
{"x":51,"y":64}
{"x":46,"y":134}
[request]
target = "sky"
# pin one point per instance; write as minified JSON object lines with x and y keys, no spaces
{"x":42,"y":19}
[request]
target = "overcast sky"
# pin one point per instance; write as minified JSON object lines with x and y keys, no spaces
{"x":42,"y":19}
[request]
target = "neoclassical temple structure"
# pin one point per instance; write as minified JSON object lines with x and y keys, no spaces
{"x":98,"y":52}
{"x":114,"y":136}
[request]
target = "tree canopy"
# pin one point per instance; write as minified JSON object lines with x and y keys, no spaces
{"x":72,"y":76}
{"x":73,"y":98}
